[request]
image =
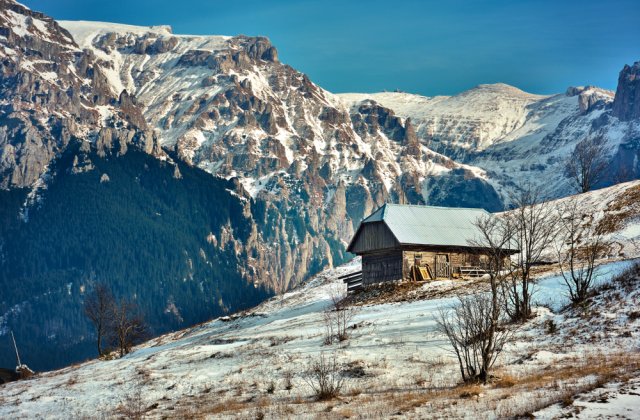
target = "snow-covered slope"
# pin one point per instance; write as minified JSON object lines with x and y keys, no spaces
{"x":241,"y":365}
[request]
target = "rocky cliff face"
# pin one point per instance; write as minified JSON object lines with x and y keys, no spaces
{"x":52,"y":92}
{"x":626,"y":105}
{"x":312,"y":164}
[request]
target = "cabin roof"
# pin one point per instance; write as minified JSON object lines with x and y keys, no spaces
{"x":428,"y":225}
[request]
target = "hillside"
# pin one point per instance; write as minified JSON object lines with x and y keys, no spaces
{"x":396,"y":363}
{"x":152,"y":230}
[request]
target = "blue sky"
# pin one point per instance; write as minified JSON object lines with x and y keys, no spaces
{"x":425,"y":47}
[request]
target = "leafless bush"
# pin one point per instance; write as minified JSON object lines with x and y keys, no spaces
{"x":474,"y":331}
{"x":133,"y":405}
{"x":337,"y":318}
{"x":129,"y":326}
{"x":98,"y":307}
{"x":578,"y":249}
{"x":324,"y":377}
{"x":271,"y":387}
{"x":533,"y":225}
{"x":587,"y":164}
{"x":288,"y":380}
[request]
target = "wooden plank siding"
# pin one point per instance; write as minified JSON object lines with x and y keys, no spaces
{"x":382,"y":267}
{"x":373,"y":236}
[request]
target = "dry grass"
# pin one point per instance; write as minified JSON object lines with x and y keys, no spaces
{"x":558,"y":382}
{"x":505,"y":381}
{"x":73,"y":379}
{"x":410,"y":291}
{"x":619,"y":211}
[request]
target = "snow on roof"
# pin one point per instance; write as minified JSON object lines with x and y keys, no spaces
{"x":429,"y":225}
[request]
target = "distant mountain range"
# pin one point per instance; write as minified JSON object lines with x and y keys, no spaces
{"x":264,"y":174}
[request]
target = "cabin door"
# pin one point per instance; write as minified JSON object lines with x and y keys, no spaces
{"x":443,"y":269}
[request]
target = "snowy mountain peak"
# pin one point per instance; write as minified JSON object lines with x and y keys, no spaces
{"x":84,"y":32}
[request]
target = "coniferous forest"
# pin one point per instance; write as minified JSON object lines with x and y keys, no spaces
{"x":131,"y":223}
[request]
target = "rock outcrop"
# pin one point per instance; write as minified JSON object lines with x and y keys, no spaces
{"x":53,"y":92}
{"x":626,"y":105}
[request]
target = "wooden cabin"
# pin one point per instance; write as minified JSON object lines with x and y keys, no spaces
{"x":409,"y":242}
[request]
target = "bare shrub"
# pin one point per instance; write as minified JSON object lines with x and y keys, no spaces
{"x":337,"y":318}
{"x":587,"y":164}
{"x":550,"y":326}
{"x":324,"y":377}
{"x":98,"y":307}
{"x":271,"y":388}
{"x":288,"y":380}
{"x":129,"y":327}
{"x":533,"y":225}
{"x":133,"y":405}
{"x":578,"y":249}
{"x":474,"y":332}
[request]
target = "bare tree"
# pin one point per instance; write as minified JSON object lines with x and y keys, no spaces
{"x":533,"y":224}
{"x":324,"y":377}
{"x":494,"y":241}
{"x":98,"y":307}
{"x":337,"y":318}
{"x":474,"y":334}
{"x":129,"y":326}
{"x":473,"y":327}
{"x":586,"y":165}
{"x":578,"y":248}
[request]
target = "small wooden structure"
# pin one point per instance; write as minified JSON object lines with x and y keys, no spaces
{"x":408,"y":242}
{"x":352,"y":280}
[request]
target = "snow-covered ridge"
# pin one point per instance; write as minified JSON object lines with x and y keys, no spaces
{"x":466,"y":103}
{"x":85,"y":32}
{"x":488,"y":112}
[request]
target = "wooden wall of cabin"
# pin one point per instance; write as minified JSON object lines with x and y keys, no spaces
{"x":456,"y":259}
{"x":380,"y":268}
{"x":373,"y":236}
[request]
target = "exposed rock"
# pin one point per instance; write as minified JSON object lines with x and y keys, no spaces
{"x":176,"y":173}
{"x":411,"y":142}
{"x":591,"y":97}
{"x":574,"y":90}
{"x":626,"y":105}
{"x":48,"y":103}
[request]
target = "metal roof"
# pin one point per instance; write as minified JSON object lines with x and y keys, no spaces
{"x":429,"y":225}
